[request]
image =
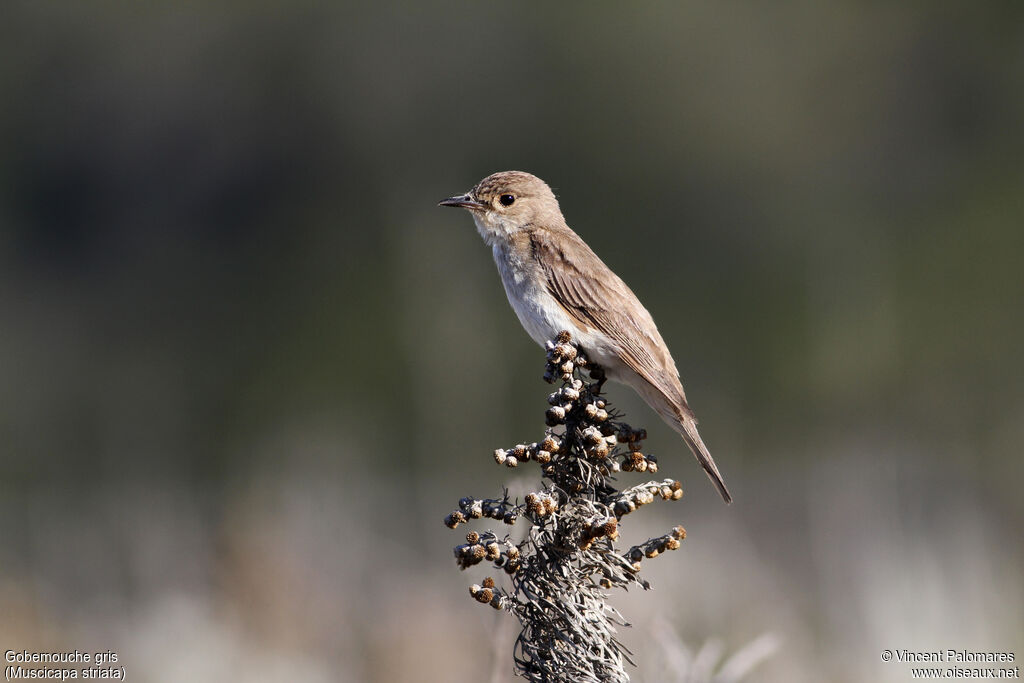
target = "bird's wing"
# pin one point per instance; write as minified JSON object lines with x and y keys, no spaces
{"x":597,"y":298}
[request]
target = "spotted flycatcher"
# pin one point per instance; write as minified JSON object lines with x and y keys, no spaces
{"x":555,"y":282}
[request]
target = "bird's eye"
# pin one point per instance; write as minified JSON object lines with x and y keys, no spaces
{"x":506,"y":199}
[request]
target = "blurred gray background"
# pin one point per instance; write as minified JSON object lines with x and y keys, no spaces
{"x":247,"y":365}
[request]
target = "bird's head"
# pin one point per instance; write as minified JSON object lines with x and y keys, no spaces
{"x":508,"y":202}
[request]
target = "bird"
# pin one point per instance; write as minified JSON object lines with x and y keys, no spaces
{"x":555,"y":282}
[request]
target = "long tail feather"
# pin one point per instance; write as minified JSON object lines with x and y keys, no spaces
{"x":686,"y":425}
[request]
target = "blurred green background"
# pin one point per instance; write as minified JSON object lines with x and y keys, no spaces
{"x":247,"y":365}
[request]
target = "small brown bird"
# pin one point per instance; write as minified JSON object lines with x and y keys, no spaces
{"x":555,"y":282}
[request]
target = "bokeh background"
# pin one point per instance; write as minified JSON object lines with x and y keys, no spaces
{"x":247,"y":365}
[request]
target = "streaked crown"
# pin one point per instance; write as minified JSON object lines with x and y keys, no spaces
{"x":501,"y":191}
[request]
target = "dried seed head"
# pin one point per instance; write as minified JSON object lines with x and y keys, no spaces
{"x":555,"y":415}
{"x":672,"y":544}
{"x":610,"y":528}
{"x":468,"y":555}
{"x":534,"y":505}
{"x":454,"y":519}
{"x":488,"y":582}
{"x":543,"y":457}
{"x":484,"y":595}
{"x":472,"y":537}
{"x":566,"y":351}
{"x":679,"y":533}
{"x":511,"y":461}
{"x":493,"y":551}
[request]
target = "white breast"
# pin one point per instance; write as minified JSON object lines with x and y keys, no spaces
{"x":541,"y":316}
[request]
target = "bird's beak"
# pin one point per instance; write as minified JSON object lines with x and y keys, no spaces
{"x":464,"y":201}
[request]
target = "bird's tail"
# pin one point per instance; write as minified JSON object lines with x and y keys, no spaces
{"x":686,"y":425}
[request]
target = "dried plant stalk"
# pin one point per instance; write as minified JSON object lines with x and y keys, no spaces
{"x":559,"y":573}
